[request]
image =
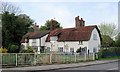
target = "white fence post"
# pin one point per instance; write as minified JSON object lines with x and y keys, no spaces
{"x":16,"y":56}
{"x":50,"y":58}
{"x":93,"y":56}
{"x":75,"y":57}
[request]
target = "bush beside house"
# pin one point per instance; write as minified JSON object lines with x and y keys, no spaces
{"x":3,"y":50}
{"x":109,"y":52}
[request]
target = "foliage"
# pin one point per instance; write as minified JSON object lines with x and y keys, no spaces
{"x":107,"y":41}
{"x":78,"y":50}
{"x":14,"y":27}
{"x":12,"y":48}
{"x":108,"y":29}
{"x":118,"y":40}
{"x":109,"y":52}
{"x":3,"y":50}
{"x":48,"y":24}
{"x":28,"y":50}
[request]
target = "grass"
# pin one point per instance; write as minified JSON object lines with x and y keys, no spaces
{"x":110,"y":58}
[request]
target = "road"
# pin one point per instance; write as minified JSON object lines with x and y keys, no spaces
{"x":109,"y":67}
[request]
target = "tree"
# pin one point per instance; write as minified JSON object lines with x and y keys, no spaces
{"x":9,"y":7}
{"x":108,"y":29}
{"x":107,"y":41}
{"x":49,"y":23}
{"x":118,"y":40}
{"x":14,"y":27}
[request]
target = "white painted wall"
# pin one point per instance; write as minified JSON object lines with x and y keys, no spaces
{"x":74,"y":44}
{"x":43,"y":39}
{"x":37,"y":42}
{"x":53,"y":38}
{"x":94,"y":43}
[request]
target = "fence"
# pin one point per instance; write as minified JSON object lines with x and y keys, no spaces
{"x":17,"y":59}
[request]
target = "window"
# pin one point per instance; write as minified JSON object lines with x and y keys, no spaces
{"x":94,"y":50}
{"x":60,"y":49}
{"x":34,"y":42}
{"x":81,"y":42}
{"x":71,"y":50}
{"x":94,"y":37}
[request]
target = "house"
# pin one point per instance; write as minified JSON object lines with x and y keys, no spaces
{"x":35,"y":39}
{"x":87,"y":38}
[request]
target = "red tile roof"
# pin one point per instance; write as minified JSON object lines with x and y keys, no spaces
{"x":82,"y":33}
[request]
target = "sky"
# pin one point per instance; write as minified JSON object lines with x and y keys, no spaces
{"x":94,"y":12}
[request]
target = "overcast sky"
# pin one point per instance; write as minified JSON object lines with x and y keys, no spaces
{"x":65,"y":12}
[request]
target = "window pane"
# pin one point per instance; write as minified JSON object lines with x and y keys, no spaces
{"x":94,"y":50}
{"x":60,"y":49}
{"x":71,"y":49}
{"x":94,"y":37}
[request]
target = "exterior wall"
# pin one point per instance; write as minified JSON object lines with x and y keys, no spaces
{"x":43,"y":39}
{"x":36,"y":44}
{"x":39,"y":41}
{"x":75,"y":44}
{"x":66,"y":45}
{"x":94,"y":43}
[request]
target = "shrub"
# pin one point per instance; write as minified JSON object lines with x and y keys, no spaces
{"x":28,"y":50}
{"x":78,"y":50}
{"x":108,"y":52}
{"x":13,"y":48}
{"x":3,"y":50}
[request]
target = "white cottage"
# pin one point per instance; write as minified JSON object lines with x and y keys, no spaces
{"x":87,"y":38}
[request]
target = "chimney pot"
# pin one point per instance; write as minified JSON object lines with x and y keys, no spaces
{"x":79,"y":22}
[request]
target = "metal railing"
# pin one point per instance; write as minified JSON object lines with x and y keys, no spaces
{"x":17,"y":59}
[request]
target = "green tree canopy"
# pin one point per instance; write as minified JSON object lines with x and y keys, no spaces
{"x":106,"y":41}
{"x":50,"y":23}
{"x":118,"y":40}
{"x":14,"y":27}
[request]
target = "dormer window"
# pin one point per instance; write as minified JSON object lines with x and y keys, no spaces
{"x":81,"y":42}
{"x":94,"y":37}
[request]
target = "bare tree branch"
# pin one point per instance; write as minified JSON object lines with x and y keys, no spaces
{"x":9,"y":7}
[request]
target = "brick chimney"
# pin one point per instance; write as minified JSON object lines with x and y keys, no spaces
{"x":79,"y":22}
{"x":36,"y":27}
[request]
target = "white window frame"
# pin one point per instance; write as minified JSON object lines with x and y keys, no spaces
{"x":71,"y":50}
{"x":80,"y":42}
{"x":94,"y":36}
{"x":60,"y":49}
{"x":34,"y":41}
